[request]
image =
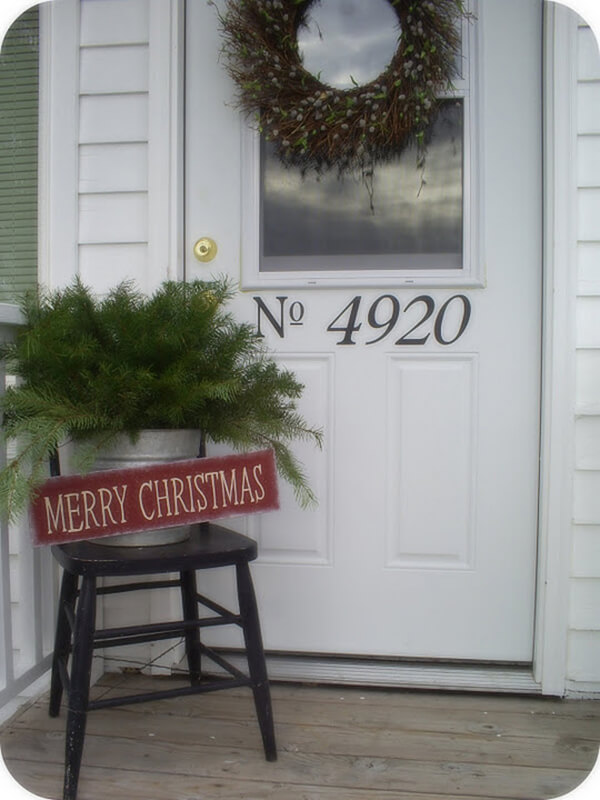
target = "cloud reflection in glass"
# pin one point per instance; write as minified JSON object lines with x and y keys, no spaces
{"x":325,"y":222}
{"x":344,"y":40}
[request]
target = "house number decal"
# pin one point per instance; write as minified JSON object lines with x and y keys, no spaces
{"x":384,"y":314}
{"x":446,"y":321}
{"x":288,"y":313}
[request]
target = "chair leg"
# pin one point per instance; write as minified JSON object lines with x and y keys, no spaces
{"x":62,"y":641}
{"x":83,"y":641}
{"x":256,"y":659}
{"x":190,"y":613}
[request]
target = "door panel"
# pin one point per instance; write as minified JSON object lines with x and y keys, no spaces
{"x":424,"y":541}
{"x":436,"y":458}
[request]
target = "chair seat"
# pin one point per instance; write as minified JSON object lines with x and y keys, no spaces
{"x":209,"y":545}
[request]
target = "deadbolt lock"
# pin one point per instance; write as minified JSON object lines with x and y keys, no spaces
{"x":205,"y":249}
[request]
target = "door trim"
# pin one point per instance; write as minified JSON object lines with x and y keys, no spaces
{"x":558,"y":342}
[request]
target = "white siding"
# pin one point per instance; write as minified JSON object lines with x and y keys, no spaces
{"x":116,"y":69}
{"x":589,"y":66}
{"x":110,"y":263}
{"x":588,"y":253}
{"x":583,"y":666}
{"x":115,"y":22}
{"x":118,"y":217}
{"x":586,"y":551}
{"x":113,"y":119}
{"x":125,"y":129}
{"x":120,"y":167}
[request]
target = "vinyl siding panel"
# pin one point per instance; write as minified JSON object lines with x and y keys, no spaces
{"x":587,"y":443}
{"x":114,"y":69}
{"x":588,"y":161}
{"x":584,"y":657}
{"x":588,"y":268}
{"x":586,"y":551}
{"x":114,"y":66}
{"x":120,"y":167}
{"x":118,"y":218}
{"x":114,"y":139}
{"x":113,"y":118}
{"x":114,"y":22}
{"x":103,"y":266}
{"x":588,"y":322}
{"x":588,"y":213}
{"x":586,"y":497}
{"x":588,"y":381}
{"x":585,"y":604}
{"x":583,"y":666}
{"x":588,"y":107}
{"x":588,"y":62}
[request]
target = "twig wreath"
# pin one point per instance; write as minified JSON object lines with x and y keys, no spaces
{"x":316,"y":126}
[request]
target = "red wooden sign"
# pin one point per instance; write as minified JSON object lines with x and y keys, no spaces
{"x":69,"y":508}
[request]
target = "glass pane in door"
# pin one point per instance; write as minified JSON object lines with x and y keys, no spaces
{"x":411,"y":218}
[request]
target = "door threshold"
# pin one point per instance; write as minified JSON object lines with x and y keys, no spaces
{"x":382,"y":673}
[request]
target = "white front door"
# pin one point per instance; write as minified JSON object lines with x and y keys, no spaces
{"x":424,"y":374}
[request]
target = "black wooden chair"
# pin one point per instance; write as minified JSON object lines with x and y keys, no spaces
{"x":210,"y":546}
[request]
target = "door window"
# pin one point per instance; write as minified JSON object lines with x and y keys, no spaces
{"x":409,"y":219}
{"x":404,"y":222}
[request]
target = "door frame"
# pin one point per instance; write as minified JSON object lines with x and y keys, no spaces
{"x":557,"y":456}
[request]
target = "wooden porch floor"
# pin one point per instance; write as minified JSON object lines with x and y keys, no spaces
{"x":334,"y":744}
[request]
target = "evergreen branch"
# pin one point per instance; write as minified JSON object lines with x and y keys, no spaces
{"x":90,"y":368}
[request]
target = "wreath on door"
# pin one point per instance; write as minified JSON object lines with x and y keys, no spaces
{"x":316,"y":126}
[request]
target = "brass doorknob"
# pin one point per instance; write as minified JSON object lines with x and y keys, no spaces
{"x":205,"y":249}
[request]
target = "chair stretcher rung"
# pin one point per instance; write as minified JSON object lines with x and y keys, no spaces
{"x":213,"y":686}
{"x":221,"y":662}
{"x":122,"y":641}
{"x":138,"y":585}
{"x":176,"y":628}
{"x":133,"y":634}
{"x":221,"y":610}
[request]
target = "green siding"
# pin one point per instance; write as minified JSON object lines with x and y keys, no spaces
{"x":19,"y":64}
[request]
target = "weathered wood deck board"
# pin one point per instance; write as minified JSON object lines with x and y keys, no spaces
{"x":334,"y":743}
{"x":296,"y":768}
{"x":425,"y":711}
{"x":493,"y":743}
{"x":573,"y":709}
{"x":102,"y":784}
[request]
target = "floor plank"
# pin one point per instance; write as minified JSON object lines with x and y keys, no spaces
{"x":491,"y":743}
{"x":102,"y":784}
{"x":333,"y":743}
